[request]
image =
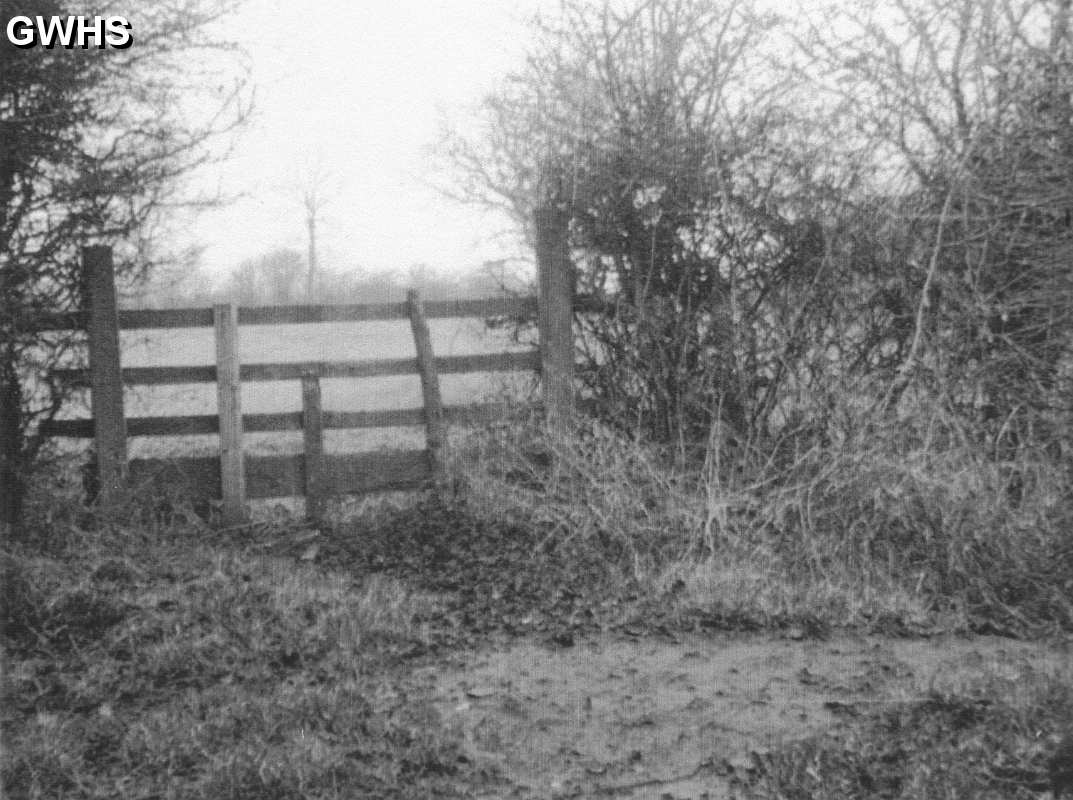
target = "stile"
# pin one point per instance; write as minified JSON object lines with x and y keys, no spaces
{"x":313,"y":434}
{"x":555,"y":313}
{"x":106,"y":384}
{"x":229,"y":407}
{"x":435,"y":434}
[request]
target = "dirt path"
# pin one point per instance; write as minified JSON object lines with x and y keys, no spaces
{"x":672,"y":719}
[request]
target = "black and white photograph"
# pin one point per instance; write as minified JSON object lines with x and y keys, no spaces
{"x":536,"y":400}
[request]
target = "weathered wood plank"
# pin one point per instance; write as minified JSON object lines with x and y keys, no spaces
{"x":139,"y":426}
{"x":198,"y":424}
{"x":229,"y":403}
{"x":130,"y":319}
{"x":435,"y":433}
{"x":284,"y":476}
{"x":105,"y":376}
{"x":145,"y":376}
{"x":138,"y":318}
{"x":555,"y":318}
{"x":438,"y":309}
{"x":379,"y":368}
{"x":313,"y":437}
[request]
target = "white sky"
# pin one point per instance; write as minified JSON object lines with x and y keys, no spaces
{"x":358,"y":87}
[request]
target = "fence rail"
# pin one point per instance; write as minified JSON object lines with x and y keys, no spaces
{"x":148,"y":318}
{"x":233,"y":476}
{"x":375,"y":368}
{"x":286,"y":475}
{"x":296,"y":314}
{"x":204,"y":424}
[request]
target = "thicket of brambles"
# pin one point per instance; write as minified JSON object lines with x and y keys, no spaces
{"x":839,"y":246}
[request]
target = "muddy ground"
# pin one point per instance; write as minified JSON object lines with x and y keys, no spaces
{"x":684,"y":717}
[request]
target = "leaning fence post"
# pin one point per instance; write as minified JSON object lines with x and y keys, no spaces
{"x":435,"y":431}
{"x":106,"y":376}
{"x":313,"y":435}
{"x":229,"y":404}
{"x":555,"y":313}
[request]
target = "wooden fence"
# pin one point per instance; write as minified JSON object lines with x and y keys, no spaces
{"x":233,"y":476}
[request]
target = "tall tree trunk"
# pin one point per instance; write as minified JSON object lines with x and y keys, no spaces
{"x":311,"y":277}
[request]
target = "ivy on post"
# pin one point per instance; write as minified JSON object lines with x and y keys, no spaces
{"x":106,"y":377}
{"x":555,"y":314}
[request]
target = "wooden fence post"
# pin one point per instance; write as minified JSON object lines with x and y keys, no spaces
{"x":313,"y":434}
{"x":435,"y":431}
{"x":106,"y":377}
{"x":12,"y":487}
{"x":555,"y":313}
{"x":229,"y":404}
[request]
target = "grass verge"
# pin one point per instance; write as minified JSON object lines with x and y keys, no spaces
{"x":991,"y":738}
{"x":152,"y":663}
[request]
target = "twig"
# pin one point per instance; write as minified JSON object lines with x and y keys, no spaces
{"x":899,"y":383}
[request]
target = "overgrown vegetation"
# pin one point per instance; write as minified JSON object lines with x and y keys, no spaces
{"x":905,"y":530}
{"x":837,"y":247}
{"x":861,"y":201}
{"x":898,"y":530}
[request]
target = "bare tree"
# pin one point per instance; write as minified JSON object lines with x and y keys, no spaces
{"x":697,"y":196}
{"x":894,"y":217}
{"x":315,"y":184}
{"x":967,"y":105}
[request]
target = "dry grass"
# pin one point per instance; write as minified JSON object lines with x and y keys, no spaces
{"x":888,"y":530}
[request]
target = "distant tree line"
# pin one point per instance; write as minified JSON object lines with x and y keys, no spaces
{"x":281,"y":277}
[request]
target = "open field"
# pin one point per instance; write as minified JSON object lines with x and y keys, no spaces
{"x":309,"y":342}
